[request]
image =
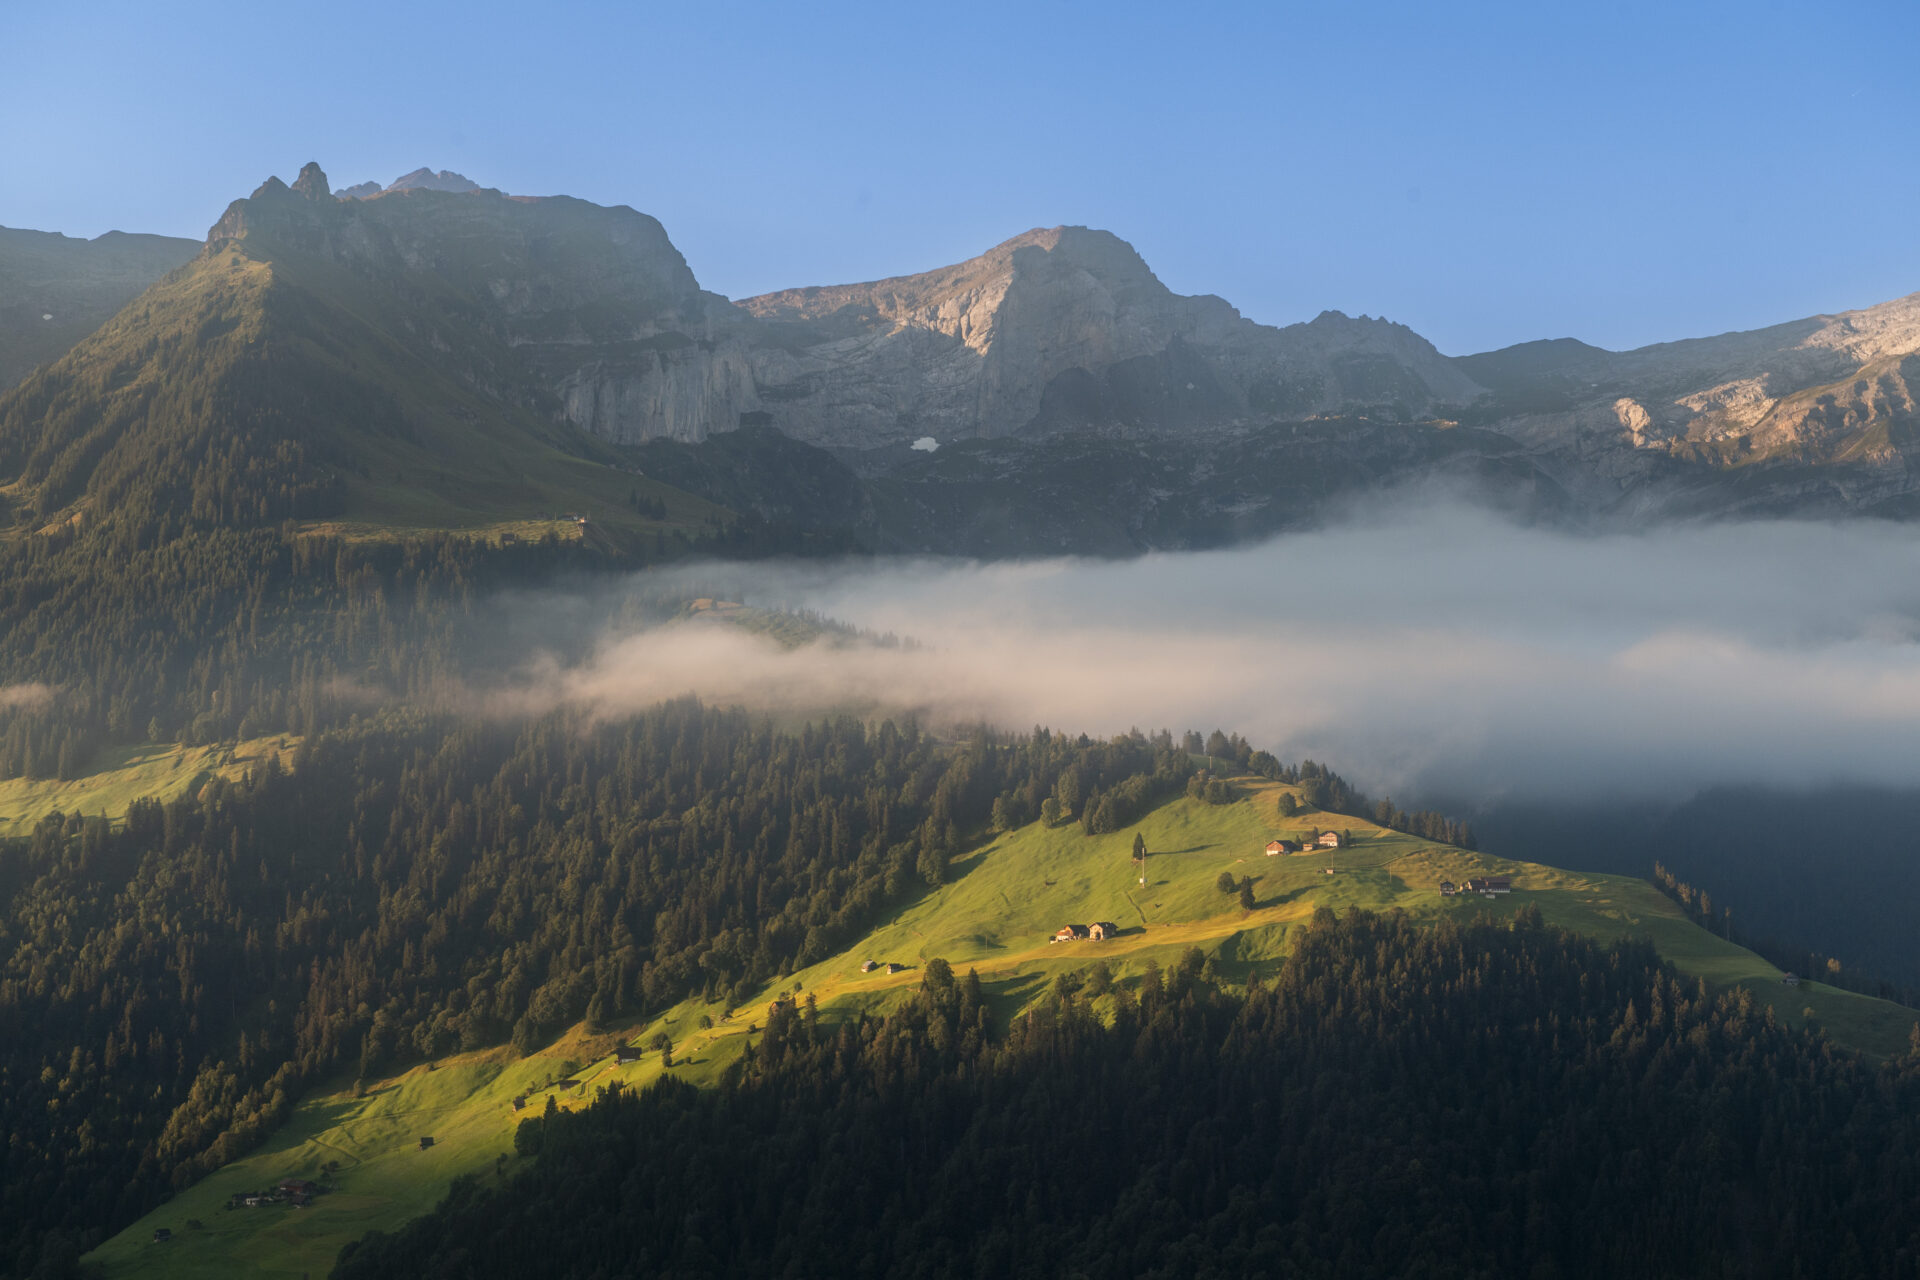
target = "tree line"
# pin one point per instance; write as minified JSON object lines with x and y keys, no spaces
{"x":1698,"y":906}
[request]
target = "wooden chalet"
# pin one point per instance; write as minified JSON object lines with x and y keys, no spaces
{"x":298,"y":1187}
{"x":869,"y":966}
{"x":1329,"y":840}
{"x":627,"y":1053}
{"x":1103,"y":930}
{"x":162,"y":1234}
{"x":1072,"y":933}
{"x":425,"y":1143}
{"x":894,"y":968}
{"x":1489,"y":886}
{"x":1277,"y":847}
{"x":1448,"y":888}
{"x":1790,"y":979}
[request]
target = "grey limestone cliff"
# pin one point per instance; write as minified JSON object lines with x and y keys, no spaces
{"x":1064,"y":327}
{"x":597,"y":302}
{"x":1819,"y":413}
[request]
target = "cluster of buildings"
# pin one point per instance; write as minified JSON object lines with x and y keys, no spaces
{"x":1485,"y":886}
{"x":1325,"y":840}
{"x":889,"y":966}
{"x":1098,"y":931}
{"x":298,"y":1192}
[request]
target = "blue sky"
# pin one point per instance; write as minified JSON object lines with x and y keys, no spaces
{"x":1622,"y":173}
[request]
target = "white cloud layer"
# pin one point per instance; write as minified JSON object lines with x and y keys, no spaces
{"x":1441,"y":652}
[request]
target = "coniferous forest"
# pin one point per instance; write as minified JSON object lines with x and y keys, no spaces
{"x":412,"y":888}
{"x":1397,"y":1101}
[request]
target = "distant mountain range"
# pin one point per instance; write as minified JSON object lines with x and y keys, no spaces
{"x":55,"y":290}
{"x":1055,"y":346}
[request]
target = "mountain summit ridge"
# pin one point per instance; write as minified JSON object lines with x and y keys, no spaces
{"x":590,"y":316}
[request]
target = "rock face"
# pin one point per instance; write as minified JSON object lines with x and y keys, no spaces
{"x":1061,"y":328}
{"x":427,"y":180}
{"x":1834,"y":392}
{"x":1056,"y":329}
{"x":596,"y":301}
{"x":55,"y":290}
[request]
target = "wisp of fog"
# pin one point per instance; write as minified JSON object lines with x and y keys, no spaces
{"x":24,"y":695}
{"x":1443,"y":651}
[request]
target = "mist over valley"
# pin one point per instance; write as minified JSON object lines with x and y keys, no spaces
{"x":1435,"y":648}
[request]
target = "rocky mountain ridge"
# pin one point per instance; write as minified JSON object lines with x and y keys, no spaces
{"x":593,"y":317}
{"x":1065,"y":327}
{"x":1837,"y":392}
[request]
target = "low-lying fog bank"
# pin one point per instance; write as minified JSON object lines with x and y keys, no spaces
{"x":1437,"y":651}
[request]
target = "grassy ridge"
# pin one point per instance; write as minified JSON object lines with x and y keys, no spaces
{"x":997,"y":913}
{"x":381,"y":1176}
{"x":121,"y":775}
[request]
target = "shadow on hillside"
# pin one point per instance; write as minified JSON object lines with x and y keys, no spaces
{"x":1239,"y":968}
{"x":1281,"y":899}
{"x":1005,"y":999}
{"x":331,"y":1114}
{"x":965,"y":864}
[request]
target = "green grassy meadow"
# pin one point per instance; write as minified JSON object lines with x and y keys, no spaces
{"x":997,"y":913}
{"x":121,"y":775}
{"x":382,"y":1177}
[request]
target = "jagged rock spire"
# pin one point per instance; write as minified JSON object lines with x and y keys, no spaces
{"x":312,"y":182}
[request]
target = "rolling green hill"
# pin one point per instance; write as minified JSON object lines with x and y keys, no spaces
{"x":997,"y":913}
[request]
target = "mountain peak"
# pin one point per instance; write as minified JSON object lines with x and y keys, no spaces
{"x":312,"y":182}
{"x":424,"y":179}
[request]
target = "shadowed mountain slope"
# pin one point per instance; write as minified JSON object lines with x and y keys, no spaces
{"x":55,"y":290}
{"x":341,"y":360}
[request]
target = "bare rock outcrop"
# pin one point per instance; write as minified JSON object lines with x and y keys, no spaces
{"x":1064,"y":327}
{"x":1829,"y":391}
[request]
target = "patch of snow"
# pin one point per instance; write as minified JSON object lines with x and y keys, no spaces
{"x":926,"y":444}
{"x":46,"y":315}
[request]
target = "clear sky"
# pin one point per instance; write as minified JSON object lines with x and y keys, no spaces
{"x":1487,"y":173}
